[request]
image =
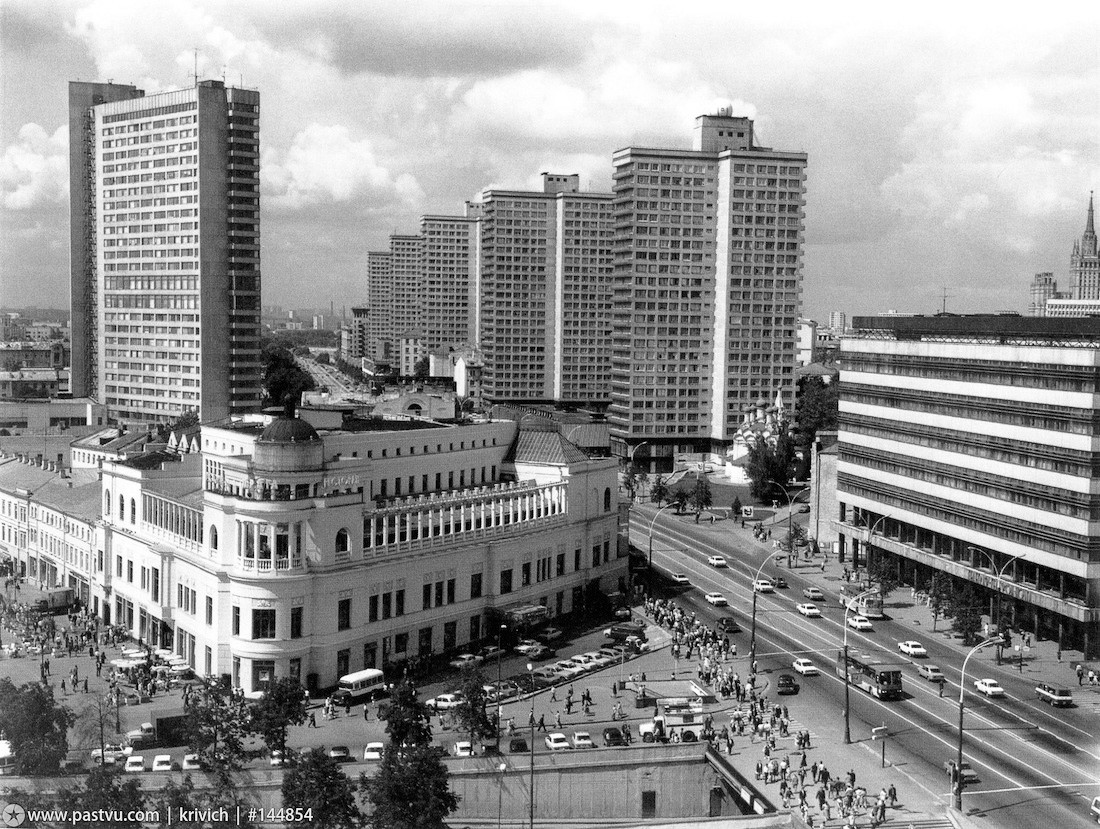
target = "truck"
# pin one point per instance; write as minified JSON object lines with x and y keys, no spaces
{"x":56,"y":601}
{"x":680,"y":718}
{"x":168,"y":731}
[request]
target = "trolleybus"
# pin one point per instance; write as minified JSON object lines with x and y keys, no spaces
{"x":878,"y":677}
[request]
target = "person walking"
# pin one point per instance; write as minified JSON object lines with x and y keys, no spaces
{"x":892,"y":795}
{"x":1080,"y":674}
{"x":557,"y":720}
{"x":312,"y":719}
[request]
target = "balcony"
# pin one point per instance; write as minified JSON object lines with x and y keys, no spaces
{"x":250,"y":564}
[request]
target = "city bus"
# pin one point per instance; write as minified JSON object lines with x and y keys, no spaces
{"x":368,"y":683}
{"x":869,"y":605}
{"x":877,"y":677}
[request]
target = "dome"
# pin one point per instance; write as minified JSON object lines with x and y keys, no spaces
{"x":289,"y":430}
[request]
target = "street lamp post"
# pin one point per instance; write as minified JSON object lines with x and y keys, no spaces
{"x":847,"y":684}
{"x":653,"y":521}
{"x":531,"y":781}
{"x":962,"y":691}
{"x":752,"y":637}
{"x":632,"y":453}
{"x":870,"y":536}
{"x":790,"y":516}
{"x":500,"y":690}
{"x":500,"y":793}
{"x":1000,"y":576}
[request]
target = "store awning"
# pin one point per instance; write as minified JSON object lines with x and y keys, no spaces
{"x":529,"y":614}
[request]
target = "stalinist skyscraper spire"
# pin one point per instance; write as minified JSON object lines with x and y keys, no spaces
{"x":1085,"y":263}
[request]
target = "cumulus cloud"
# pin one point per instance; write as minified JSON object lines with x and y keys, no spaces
{"x":324,"y":164}
{"x":35,"y":169}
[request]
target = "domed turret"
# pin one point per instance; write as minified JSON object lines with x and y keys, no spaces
{"x":288,"y":430}
{"x":288,"y":444}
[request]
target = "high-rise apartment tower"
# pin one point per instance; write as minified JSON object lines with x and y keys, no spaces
{"x":165,"y":249}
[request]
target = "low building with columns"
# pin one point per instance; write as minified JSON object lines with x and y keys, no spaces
{"x":316,"y":546}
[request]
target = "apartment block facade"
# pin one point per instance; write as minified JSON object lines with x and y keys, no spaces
{"x":707,"y":279}
{"x":968,"y":446}
{"x":165,"y":254}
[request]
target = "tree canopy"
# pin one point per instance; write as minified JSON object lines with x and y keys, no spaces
{"x":283,"y":380}
{"x":701,"y":497}
{"x":658,"y":493}
{"x":769,"y":466}
{"x":408,"y":720}
{"x":472,"y":713}
{"x":316,"y":785}
{"x":35,"y":724}
{"x":281,"y":706}
{"x":218,"y":727}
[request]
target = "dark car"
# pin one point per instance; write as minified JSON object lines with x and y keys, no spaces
{"x":517,"y":745}
{"x":341,"y":754}
{"x":786,"y":685}
{"x":525,"y":682}
{"x":1053,"y":695}
{"x":727,"y":624}
{"x":780,"y":582}
{"x":613,"y":737}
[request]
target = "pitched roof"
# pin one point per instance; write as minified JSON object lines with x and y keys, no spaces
{"x":541,"y":442}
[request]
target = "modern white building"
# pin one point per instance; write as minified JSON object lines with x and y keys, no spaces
{"x":968,"y":445}
{"x":285,"y":548}
{"x":165,"y":249}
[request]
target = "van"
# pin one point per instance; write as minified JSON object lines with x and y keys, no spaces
{"x":361,"y":685}
{"x":623,"y":630}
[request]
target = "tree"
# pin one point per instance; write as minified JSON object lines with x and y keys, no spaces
{"x":323,"y":358}
{"x":283,"y":381}
{"x":408,"y":720}
{"x":218,"y":727}
{"x":883,"y":574}
{"x":658,"y":493}
{"x":769,"y":468}
{"x":680,"y":499}
{"x":410,"y":790}
{"x":316,"y":783}
{"x":701,"y":497}
{"x":36,"y":726}
{"x":939,"y":595}
{"x":471,"y":713}
{"x":421,"y":367}
{"x":176,"y":799}
{"x":630,"y":483}
{"x":966,"y":613}
{"x":737,"y":506}
{"x":281,"y":706}
{"x":105,"y":793}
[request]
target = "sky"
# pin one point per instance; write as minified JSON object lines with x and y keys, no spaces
{"x":952,"y":147}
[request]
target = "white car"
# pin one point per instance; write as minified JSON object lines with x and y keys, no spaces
{"x":557,"y":741}
{"x":860,"y":622}
{"x":808,"y":610}
{"x":162,"y":762}
{"x":585,"y":660}
{"x":526,"y":646}
{"x":134,"y":763}
{"x":989,"y":687}
{"x":191,"y":762}
{"x":912,"y":648}
{"x":716,"y":599}
{"x":463,"y":748}
{"x":680,"y":578}
{"x":569,"y":669}
{"x":465,"y":660}
{"x":805,"y":667}
{"x":763,"y":586}
{"x":600,"y":660}
{"x":112,"y":753}
{"x":278,"y":758}
{"x":373,"y":751}
{"x":813,"y":593}
{"x":716,"y":561}
{"x":445,"y":702}
{"x":582,"y":739}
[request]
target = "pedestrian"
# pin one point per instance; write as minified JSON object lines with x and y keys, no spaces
{"x":892,"y":795}
{"x":554,"y":694}
{"x":542,"y":723}
{"x":347,"y":707}
{"x":1080,"y":673}
{"x":852,"y":777}
{"x":366,"y":712}
{"x":941,"y":683}
{"x":85,"y":685}
{"x":568,"y":706}
{"x":557,"y":720}
{"x":63,"y":691}
{"x":312,"y":719}
{"x":814,"y":771}
{"x":614,"y":689}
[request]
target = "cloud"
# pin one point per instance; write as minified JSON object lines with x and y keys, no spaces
{"x":35,"y":169}
{"x":323,"y":165}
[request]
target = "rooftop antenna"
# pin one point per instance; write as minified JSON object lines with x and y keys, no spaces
{"x":195,"y":73}
{"x":946,"y":296}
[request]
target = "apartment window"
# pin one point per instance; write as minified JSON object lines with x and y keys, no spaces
{"x":154,"y":584}
{"x":209,"y":610}
{"x":424,"y":643}
{"x":561,"y":564}
{"x":296,"y":623}
{"x":236,"y":621}
{"x":577,"y":559}
{"x":387,"y":605}
{"x":438,"y":593}
{"x":450,"y":635}
{"x":399,"y":603}
{"x":475,"y":586}
{"x":372,"y":608}
{"x":475,"y":627}
{"x":118,"y":566}
{"x":343,"y":662}
{"x":427,"y":597}
{"x":450,"y":591}
{"x":130,"y":571}
{"x":343,"y":614}
{"x":505,"y":581}
{"x":595,"y":555}
{"x":400,"y":643}
{"x":525,"y":574}
{"x":606,"y":552}
{"x":209,"y":661}
{"x":263,"y":624}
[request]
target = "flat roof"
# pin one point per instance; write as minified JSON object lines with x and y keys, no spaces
{"x":981,"y":325}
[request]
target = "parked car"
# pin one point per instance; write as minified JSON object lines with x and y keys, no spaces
{"x":445,"y":702}
{"x":763,"y":586}
{"x":680,"y":578}
{"x":803,"y":508}
{"x":517,"y":745}
{"x":716,"y":561}
{"x":526,"y":645}
{"x":930,"y":672}
{"x":786,"y":685}
{"x":111,"y":754}
{"x":556,"y":741}
{"x":191,"y":762}
{"x":727,"y":624}
{"x":490,"y":652}
{"x":623,"y":613}
{"x":549,"y":634}
{"x":569,"y":669}
{"x":463,"y":748}
{"x":134,"y":763}
{"x":860,"y":622}
{"x":968,"y":774}
{"x":716,"y":599}
{"x":1054,"y":695}
{"x":813,"y":593}
{"x":613,"y":738}
{"x":808,"y":609}
{"x":341,"y":754}
{"x":465,"y":660}
{"x":805,"y":667}
{"x":162,"y":762}
{"x":582,"y":739}
{"x":911,"y":647}
{"x":989,"y":687}
{"x":373,"y":751}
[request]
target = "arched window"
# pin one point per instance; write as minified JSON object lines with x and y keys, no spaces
{"x":213,"y":537}
{"x":107,"y":503}
{"x":343,"y":543}
{"x":607,"y":499}
{"x":121,"y":508}
{"x":133,"y":511}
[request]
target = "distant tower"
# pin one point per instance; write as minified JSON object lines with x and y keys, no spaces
{"x":1043,"y":287}
{"x":1085,"y":263}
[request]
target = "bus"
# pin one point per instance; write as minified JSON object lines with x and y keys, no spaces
{"x":869,"y":605}
{"x":365,"y":684}
{"x":877,"y":677}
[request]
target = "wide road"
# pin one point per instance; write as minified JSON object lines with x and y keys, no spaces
{"x":1037,"y":767}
